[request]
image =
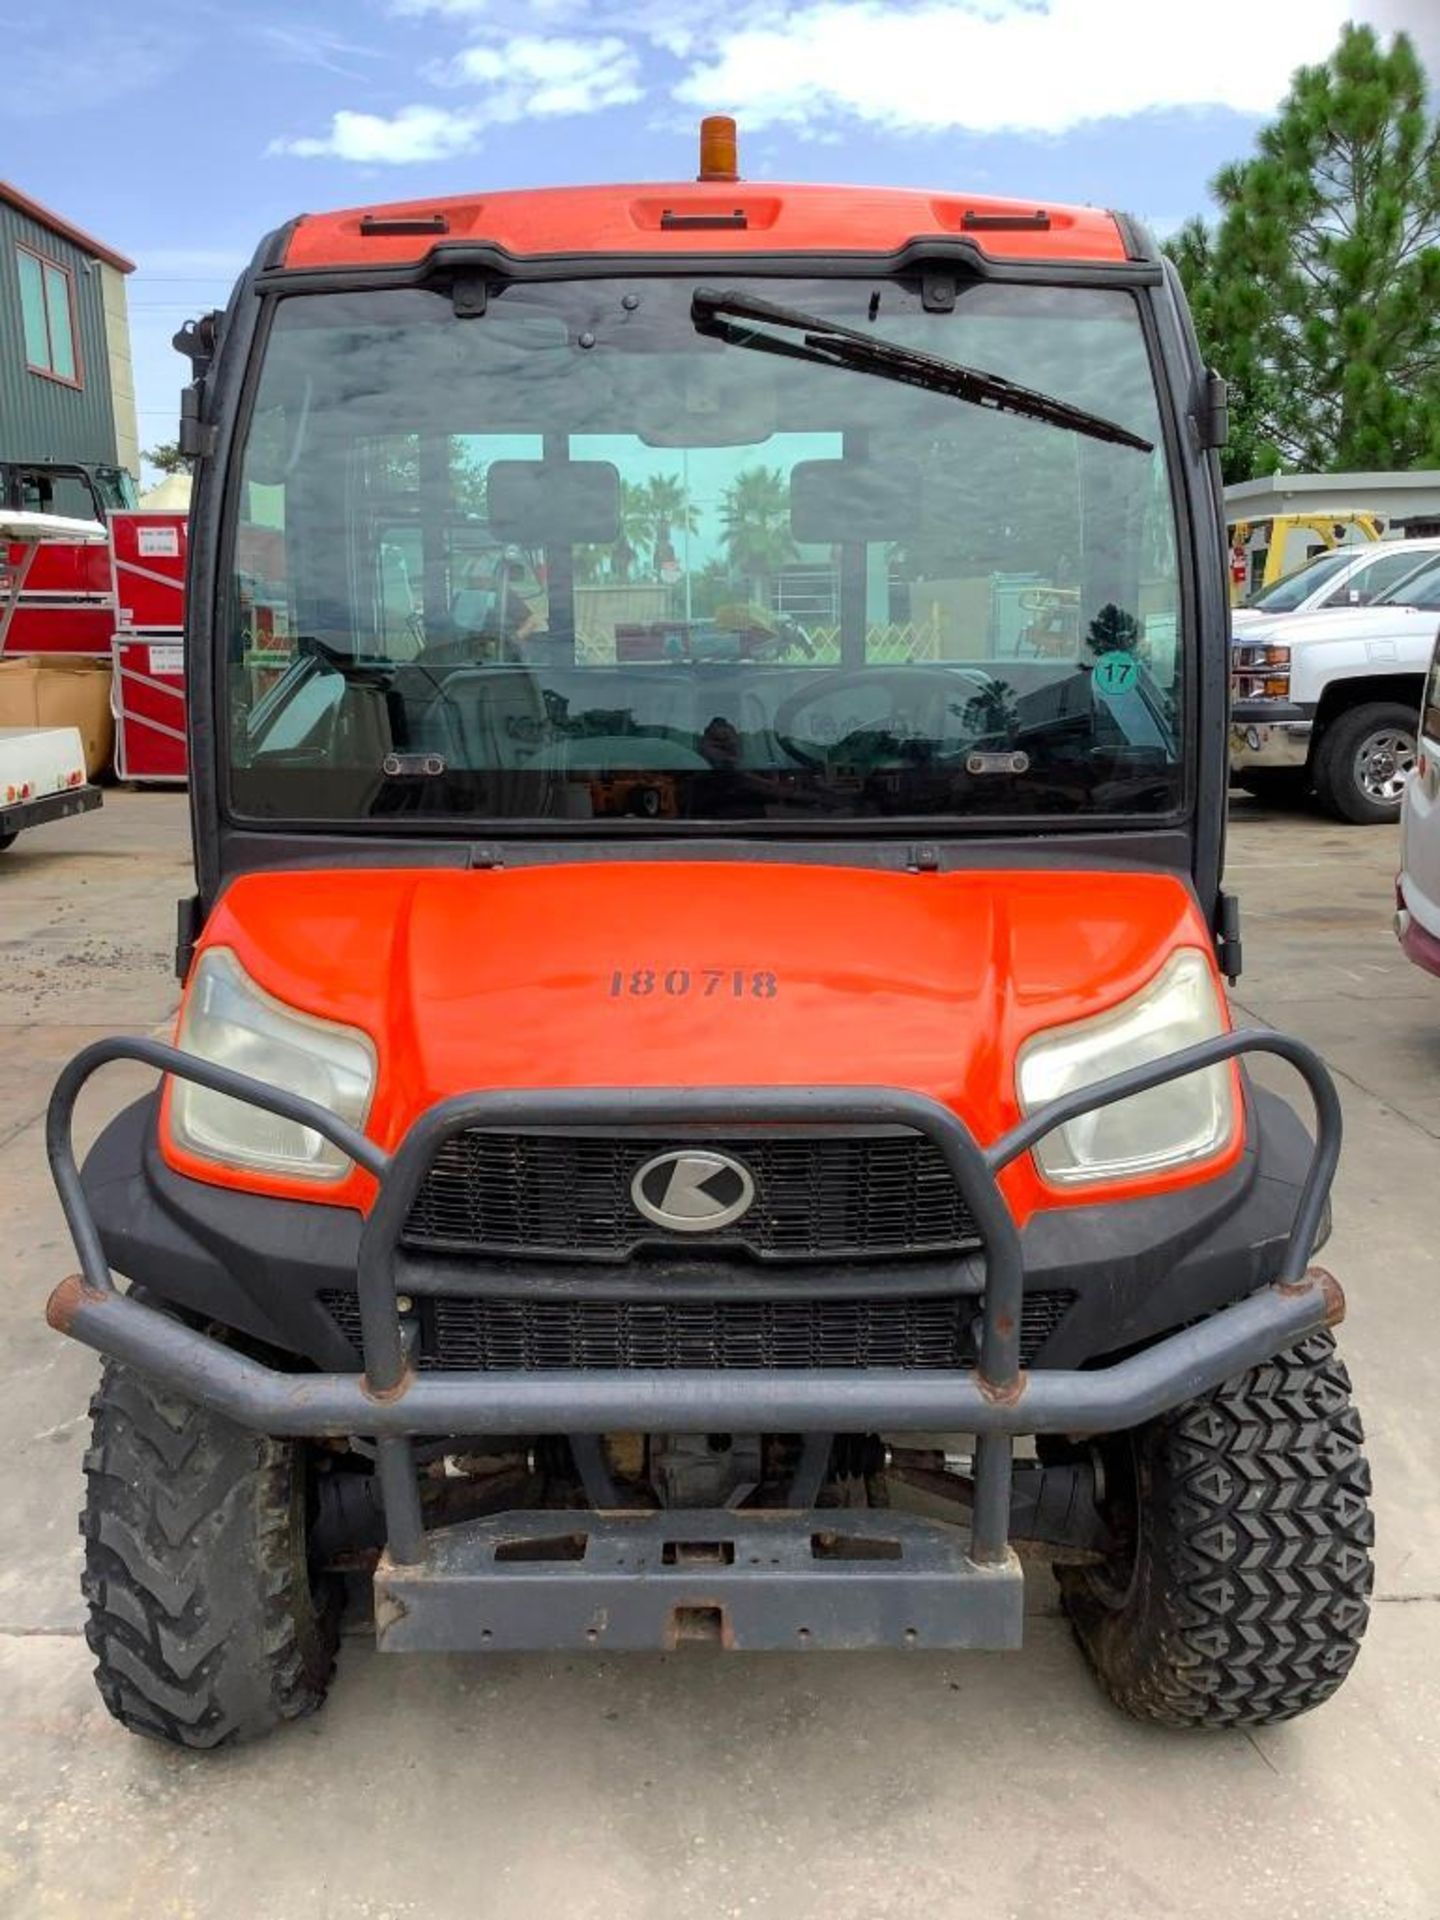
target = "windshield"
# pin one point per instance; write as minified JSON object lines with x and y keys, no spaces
{"x":575,"y":558}
{"x":1286,"y":595}
{"x":116,"y":487}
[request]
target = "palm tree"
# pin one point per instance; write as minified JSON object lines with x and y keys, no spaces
{"x":637,"y":528}
{"x":669,"y":510}
{"x":649,"y":511}
{"x":755,"y":522}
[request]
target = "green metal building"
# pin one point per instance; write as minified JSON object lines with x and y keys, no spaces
{"x":67,"y":388}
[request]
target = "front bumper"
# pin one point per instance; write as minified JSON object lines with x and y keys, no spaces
{"x":276,"y":1271}
{"x":1270,"y":733}
{"x":1417,"y":942}
{"x":392,"y":1404}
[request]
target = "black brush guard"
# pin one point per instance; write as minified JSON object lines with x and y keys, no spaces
{"x":753,"y":1580}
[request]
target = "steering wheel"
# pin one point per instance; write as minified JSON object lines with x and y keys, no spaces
{"x":940,"y":681}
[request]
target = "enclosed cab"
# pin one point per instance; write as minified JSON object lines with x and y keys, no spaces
{"x":704,"y":1104}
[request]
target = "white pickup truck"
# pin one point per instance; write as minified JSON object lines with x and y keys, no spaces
{"x":42,"y":777}
{"x":1332,"y":700}
{"x":1355,"y":576}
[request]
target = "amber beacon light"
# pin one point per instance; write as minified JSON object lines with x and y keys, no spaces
{"x":719,"y":151}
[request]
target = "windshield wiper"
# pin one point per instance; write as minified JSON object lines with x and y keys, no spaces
{"x":827,"y":343}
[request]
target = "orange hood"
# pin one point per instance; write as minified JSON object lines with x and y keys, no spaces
{"x":683,"y":973}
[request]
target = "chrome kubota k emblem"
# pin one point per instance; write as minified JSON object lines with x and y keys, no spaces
{"x":693,"y":1191}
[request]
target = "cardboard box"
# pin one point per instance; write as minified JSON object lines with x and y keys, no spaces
{"x":42,"y":691}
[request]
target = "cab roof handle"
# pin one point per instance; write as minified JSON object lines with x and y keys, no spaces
{"x":383,"y":226}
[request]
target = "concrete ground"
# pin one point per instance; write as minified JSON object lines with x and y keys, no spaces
{"x":872,"y":1786}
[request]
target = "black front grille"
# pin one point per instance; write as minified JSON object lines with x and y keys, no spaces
{"x":569,"y":1194}
{"x":521,"y":1335}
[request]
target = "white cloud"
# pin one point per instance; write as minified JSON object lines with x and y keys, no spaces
{"x":992,"y":66}
{"x":528,"y":77}
{"x":498,"y":15}
{"x":678,"y":27}
{"x":373,"y":139}
{"x":1419,"y":18}
{"x":1037,"y":67}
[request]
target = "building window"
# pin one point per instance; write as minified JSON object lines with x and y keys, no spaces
{"x":47,"y":308}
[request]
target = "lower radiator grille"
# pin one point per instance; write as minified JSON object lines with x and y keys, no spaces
{"x":523,"y":1335}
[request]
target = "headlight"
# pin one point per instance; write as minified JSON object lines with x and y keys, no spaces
{"x":1259,"y":672}
{"x":233,"y":1023}
{"x":1180,"y":1121}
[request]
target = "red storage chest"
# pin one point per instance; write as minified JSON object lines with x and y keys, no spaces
{"x":148,"y":694}
{"x":147,"y":559}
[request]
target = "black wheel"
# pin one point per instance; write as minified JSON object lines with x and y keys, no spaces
{"x":1363,"y":761}
{"x":206,"y":1623}
{"x":7,"y":840}
{"x":1242,"y":1591}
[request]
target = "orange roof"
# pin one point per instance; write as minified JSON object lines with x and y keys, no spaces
{"x":632,"y":219}
{"x":42,"y":216}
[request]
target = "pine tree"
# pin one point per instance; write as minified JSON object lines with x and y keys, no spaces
{"x":1318,"y":294}
{"x":166,"y":458}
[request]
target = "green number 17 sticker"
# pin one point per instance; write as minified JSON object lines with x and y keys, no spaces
{"x":1114,"y":674}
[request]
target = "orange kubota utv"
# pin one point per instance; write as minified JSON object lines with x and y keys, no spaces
{"x":670,"y":1137}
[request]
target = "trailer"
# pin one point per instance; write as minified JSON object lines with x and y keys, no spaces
{"x":42,"y":769}
{"x":42,"y":778}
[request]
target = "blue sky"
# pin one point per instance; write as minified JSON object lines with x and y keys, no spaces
{"x":182,"y":130}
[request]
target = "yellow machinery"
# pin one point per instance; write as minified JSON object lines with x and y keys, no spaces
{"x":1283,"y":554}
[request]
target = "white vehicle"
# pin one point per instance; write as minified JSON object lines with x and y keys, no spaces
{"x":42,"y":777}
{"x":1417,"y":891}
{"x":1354,"y":576}
{"x":42,"y":769}
{"x":1331,"y":699}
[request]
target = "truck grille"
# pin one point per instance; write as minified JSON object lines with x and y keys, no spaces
{"x":520,"y":1335}
{"x":569,"y":1194}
